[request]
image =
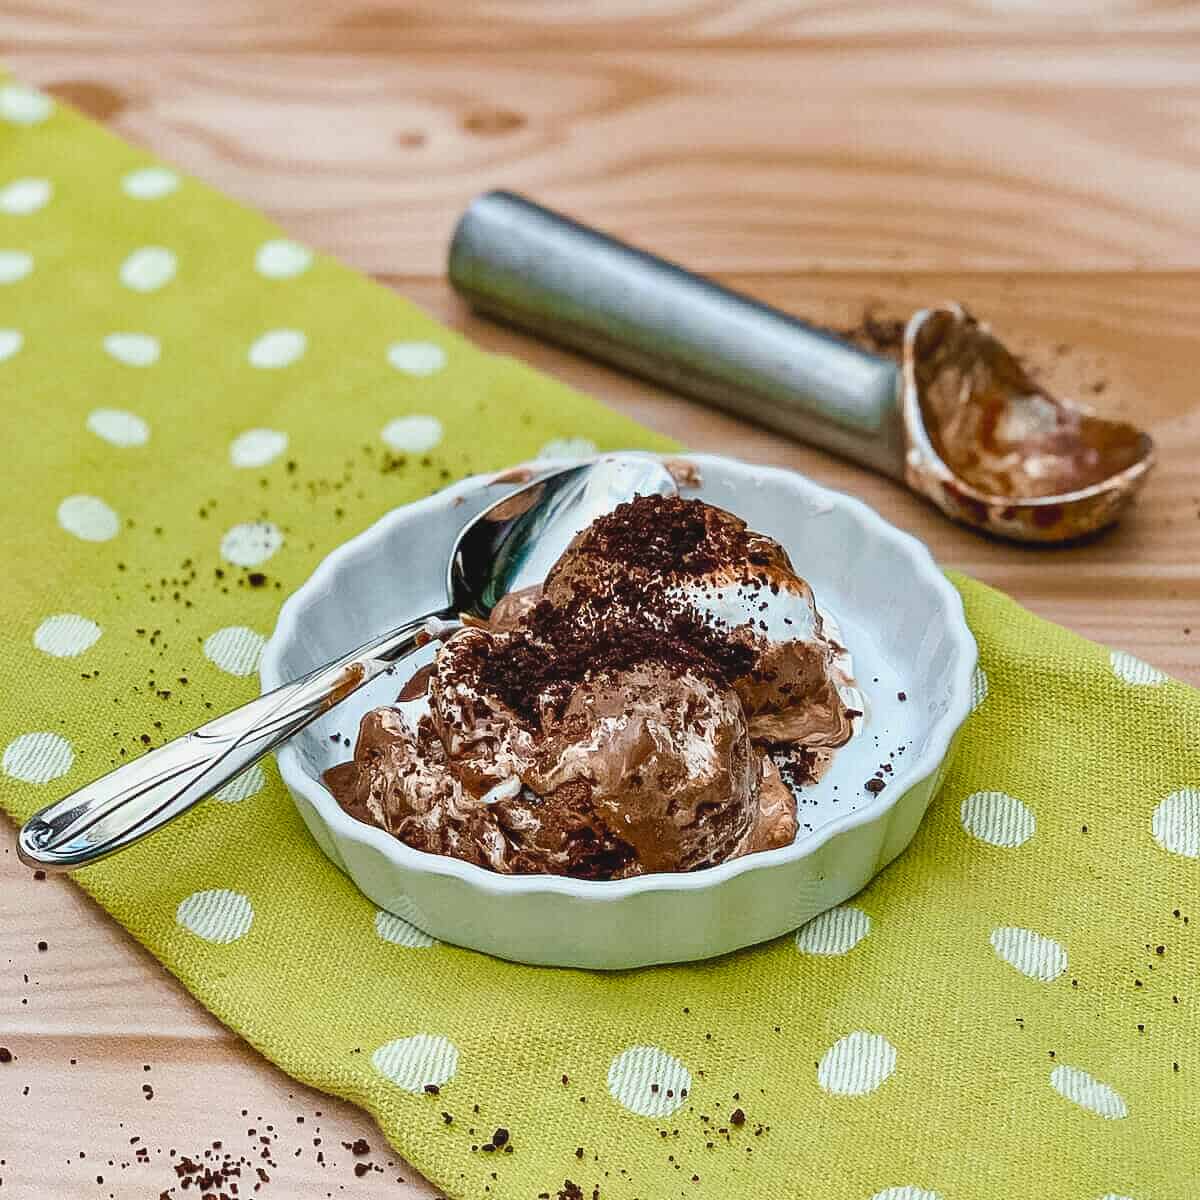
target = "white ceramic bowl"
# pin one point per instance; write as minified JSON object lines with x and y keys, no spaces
{"x":901,"y":619}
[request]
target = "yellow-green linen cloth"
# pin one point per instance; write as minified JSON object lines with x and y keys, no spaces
{"x":195,"y":411}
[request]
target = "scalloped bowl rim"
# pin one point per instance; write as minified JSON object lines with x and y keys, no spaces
{"x":401,"y":855}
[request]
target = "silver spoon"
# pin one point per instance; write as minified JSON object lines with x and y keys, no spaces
{"x":962,"y":424}
{"x":510,"y":545}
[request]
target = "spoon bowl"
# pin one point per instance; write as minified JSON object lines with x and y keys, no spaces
{"x":513,"y":543}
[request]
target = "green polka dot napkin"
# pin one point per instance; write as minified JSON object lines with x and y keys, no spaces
{"x":196,"y":410}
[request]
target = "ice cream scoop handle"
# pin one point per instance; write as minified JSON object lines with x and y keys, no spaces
{"x":530,"y":267}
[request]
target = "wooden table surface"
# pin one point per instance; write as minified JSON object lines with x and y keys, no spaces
{"x":1038,"y":161}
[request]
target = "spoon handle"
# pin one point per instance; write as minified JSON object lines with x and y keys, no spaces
{"x":528,"y":266}
{"x":125,"y":805}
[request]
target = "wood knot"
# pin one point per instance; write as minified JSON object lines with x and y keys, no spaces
{"x":96,"y":100}
{"x":492,"y":122}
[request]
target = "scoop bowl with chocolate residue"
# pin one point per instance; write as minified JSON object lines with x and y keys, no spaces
{"x":991,"y":447}
{"x":572,"y":683}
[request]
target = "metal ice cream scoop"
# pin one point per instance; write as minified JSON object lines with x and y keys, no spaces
{"x":511,"y":545}
{"x":961,"y":422}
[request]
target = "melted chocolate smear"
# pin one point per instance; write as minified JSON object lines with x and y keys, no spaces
{"x":418,"y":685}
{"x":999,"y":431}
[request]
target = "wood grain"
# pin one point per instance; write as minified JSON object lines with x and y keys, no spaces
{"x":843,"y":158}
{"x":1036,"y":161}
{"x":414,"y":26}
{"x":84,"y":1018}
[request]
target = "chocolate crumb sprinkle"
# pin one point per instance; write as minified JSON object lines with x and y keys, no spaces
{"x":655,"y":540}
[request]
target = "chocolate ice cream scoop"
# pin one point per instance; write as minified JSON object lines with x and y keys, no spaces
{"x":962,"y":423}
{"x":625,"y":717}
{"x":730,"y":579}
{"x":643,"y":770}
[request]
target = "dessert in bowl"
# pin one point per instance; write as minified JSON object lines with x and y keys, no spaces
{"x":631,"y":715}
{"x":667,"y":751}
